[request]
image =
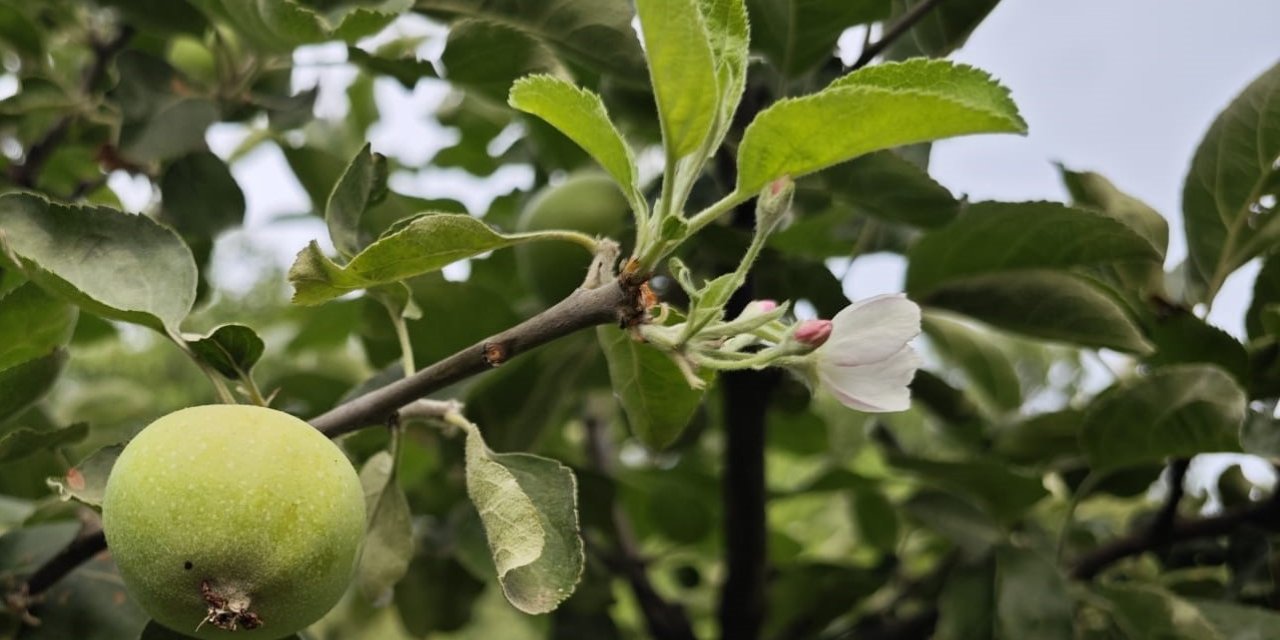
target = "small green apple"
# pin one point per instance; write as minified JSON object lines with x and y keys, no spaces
{"x":234,"y":518}
{"x":589,"y":202}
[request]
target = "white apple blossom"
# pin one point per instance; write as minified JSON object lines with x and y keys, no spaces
{"x":863,"y":355}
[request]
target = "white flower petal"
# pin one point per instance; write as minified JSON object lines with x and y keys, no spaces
{"x":871,"y":330}
{"x":877,"y":387}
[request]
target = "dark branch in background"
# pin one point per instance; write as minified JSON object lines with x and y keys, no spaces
{"x":583,"y":308}
{"x":1163,"y":523}
{"x":894,"y":31}
{"x":27,"y":172}
{"x":743,"y":596}
{"x":82,"y":549}
{"x":1265,"y":515}
{"x":665,"y":620}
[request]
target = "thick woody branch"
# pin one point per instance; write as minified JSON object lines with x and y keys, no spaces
{"x":583,"y":308}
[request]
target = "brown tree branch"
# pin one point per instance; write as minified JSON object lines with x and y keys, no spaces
{"x":895,"y":31}
{"x":27,"y":172}
{"x":1265,"y":514}
{"x":583,"y":308}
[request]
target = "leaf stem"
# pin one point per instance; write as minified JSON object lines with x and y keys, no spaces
{"x":585,"y":241}
{"x":406,"y":344}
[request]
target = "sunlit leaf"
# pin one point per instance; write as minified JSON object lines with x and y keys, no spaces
{"x":871,"y":109}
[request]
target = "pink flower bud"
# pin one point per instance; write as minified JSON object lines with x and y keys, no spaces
{"x":812,"y":332}
{"x":764,"y":306}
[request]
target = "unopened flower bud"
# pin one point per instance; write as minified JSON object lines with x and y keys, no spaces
{"x":773,"y":203}
{"x":812,"y":333}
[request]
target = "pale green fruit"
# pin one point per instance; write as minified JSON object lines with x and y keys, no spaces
{"x":233,"y":515}
{"x":588,"y":202}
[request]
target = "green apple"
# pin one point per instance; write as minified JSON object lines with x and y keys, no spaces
{"x":234,"y":517}
{"x":589,"y":202}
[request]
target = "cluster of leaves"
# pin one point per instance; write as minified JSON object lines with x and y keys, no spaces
{"x":972,"y":512}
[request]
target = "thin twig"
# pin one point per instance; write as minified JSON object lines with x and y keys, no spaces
{"x":1163,"y":523}
{"x":898,"y":29}
{"x":1265,"y":514}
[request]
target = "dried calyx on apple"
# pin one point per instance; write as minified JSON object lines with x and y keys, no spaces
{"x":234,"y":518}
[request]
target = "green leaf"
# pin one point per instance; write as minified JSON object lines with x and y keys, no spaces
{"x":886,"y":185}
{"x":1003,"y":492}
{"x":529,"y":508}
{"x":388,"y":542}
{"x":488,"y":57}
{"x":977,"y":353}
{"x":654,"y":394}
{"x":437,"y":594}
{"x":730,"y":37}
{"x":798,"y":35}
{"x":682,"y":68}
{"x":362,"y":185}
{"x":943,"y":29}
{"x":427,"y":243}
{"x":1044,"y":304}
{"x":1090,"y":190}
{"x":595,"y":34}
{"x":1235,"y":165}
{"x":1005,"y":236}
{"x":876,"y":518}
{"x":1042,"y":439}
{"x":868,"y":110}
{"x":957,"y":520}
{"x":1032,"y":600}
{"x":1148,"y":612}
{"x":32,"y":324}
{"x":113,"y":264}
{"x":23,"y":385}
{"x":231,"y":349}
{"x":201,"y":199}
{"x":23,"y":442}
{"x":1176,"y":411}
{"x":1238,"y":622}
{"x":87,"y":482}
{"x":279,"y":27}
{"x":173,"y":129}
{"x":580,"y":115}
{"x":966,"y":606}
{"x":1266,"y":293}
{"x":1180,"y":338}
{"x":406,"y":68}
